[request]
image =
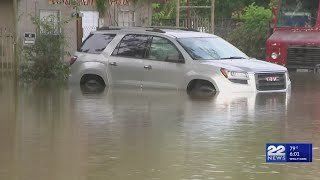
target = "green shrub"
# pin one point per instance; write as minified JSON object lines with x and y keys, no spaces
{"x":45,"y":59}
{"x":253,"y":32}
{"x":101,"y":6}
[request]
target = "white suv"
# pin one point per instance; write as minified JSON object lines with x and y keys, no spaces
{"x":171,"y":58}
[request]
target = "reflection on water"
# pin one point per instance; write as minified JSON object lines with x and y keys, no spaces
{"x":61,"y":133}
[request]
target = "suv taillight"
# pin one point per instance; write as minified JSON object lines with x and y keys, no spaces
{"x":73,"y":60}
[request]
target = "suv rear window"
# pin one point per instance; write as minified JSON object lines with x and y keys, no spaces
{"x":96,"y":43}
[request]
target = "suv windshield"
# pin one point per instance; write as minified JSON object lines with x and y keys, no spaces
{"x":298,"y":13}
{"x":210,"y":48}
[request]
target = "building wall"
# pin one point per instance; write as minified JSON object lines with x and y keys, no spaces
{"x":28,"y":8}
{"x":6,"y":14}
{"x":6,"y":34}
{"x":142,"y":14}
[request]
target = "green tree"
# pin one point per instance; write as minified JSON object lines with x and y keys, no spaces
{"x":252,"y":34}
{"x":101,"y":6}
{"x":164,"y":11}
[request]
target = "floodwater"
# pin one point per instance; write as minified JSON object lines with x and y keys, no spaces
{"x":62,"y":133}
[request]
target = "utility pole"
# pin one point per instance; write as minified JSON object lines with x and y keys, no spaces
{"x":212,"y":16}
{"x":177,"y":13}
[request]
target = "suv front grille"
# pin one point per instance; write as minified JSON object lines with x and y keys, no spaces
{"x":303,"y":56}
{"x":270,"y":81}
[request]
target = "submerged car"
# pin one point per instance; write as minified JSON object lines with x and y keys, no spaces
{"x":173,"y":59}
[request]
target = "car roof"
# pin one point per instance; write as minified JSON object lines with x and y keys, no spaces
{"x":187,"y":34}
{"x":169,"y":31}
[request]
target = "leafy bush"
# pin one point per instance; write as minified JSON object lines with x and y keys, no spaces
{"x":163,"y":11}
{"x":44,"y":59}
{"x":253,"y":32}
{"x":101,"y":6}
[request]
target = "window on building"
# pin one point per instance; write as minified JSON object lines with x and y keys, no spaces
{"x":50,"y":22}
{"x":96,"y":43}
{"x":162,"y":49}
{"x":132,"y":46}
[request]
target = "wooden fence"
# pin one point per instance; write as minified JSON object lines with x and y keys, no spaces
{"x":7,"y":45}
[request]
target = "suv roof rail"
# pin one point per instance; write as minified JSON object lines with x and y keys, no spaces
{"x":104,"y":28}
{"x":150,"y":29}
{"x":158,"y":29}
{"x":174,"y":28}
{"x":155,"y":30}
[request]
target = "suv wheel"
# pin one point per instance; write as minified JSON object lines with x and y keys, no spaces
{"x":202,"y":88}
{"x":92,"y":84}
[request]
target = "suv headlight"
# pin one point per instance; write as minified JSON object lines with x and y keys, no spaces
{"x":234,"y":74}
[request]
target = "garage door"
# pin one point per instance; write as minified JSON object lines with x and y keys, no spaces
{"x":90,"y":21}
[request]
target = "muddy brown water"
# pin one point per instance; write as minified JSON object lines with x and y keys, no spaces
{"x":62,"y":133}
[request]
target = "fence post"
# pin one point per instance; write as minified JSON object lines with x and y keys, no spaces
{"x":212,"y":16}
{"x":6,"y":42}
{"x":15,"y":37}
{"x":6,"y":49}
{"x":1,"y":44}
{"x":11,"y":50}
{"x":201,"y":24}
{"x":13,"y":58}
{"x":79,"y":32}
{"x":177,"y":13}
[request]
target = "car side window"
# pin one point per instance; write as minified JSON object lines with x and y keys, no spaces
{"x":96,"y":43}
{"x":162,"y":49}
{"x":133,"y":45}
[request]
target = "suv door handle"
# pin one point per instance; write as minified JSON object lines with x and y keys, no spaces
{"x":113,"y":63}
{"x":148,"y":67}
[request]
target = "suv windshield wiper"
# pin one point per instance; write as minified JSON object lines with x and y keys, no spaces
{"x":234,"y":57}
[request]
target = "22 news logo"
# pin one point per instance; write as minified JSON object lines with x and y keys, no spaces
{"x":276,"y":153}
